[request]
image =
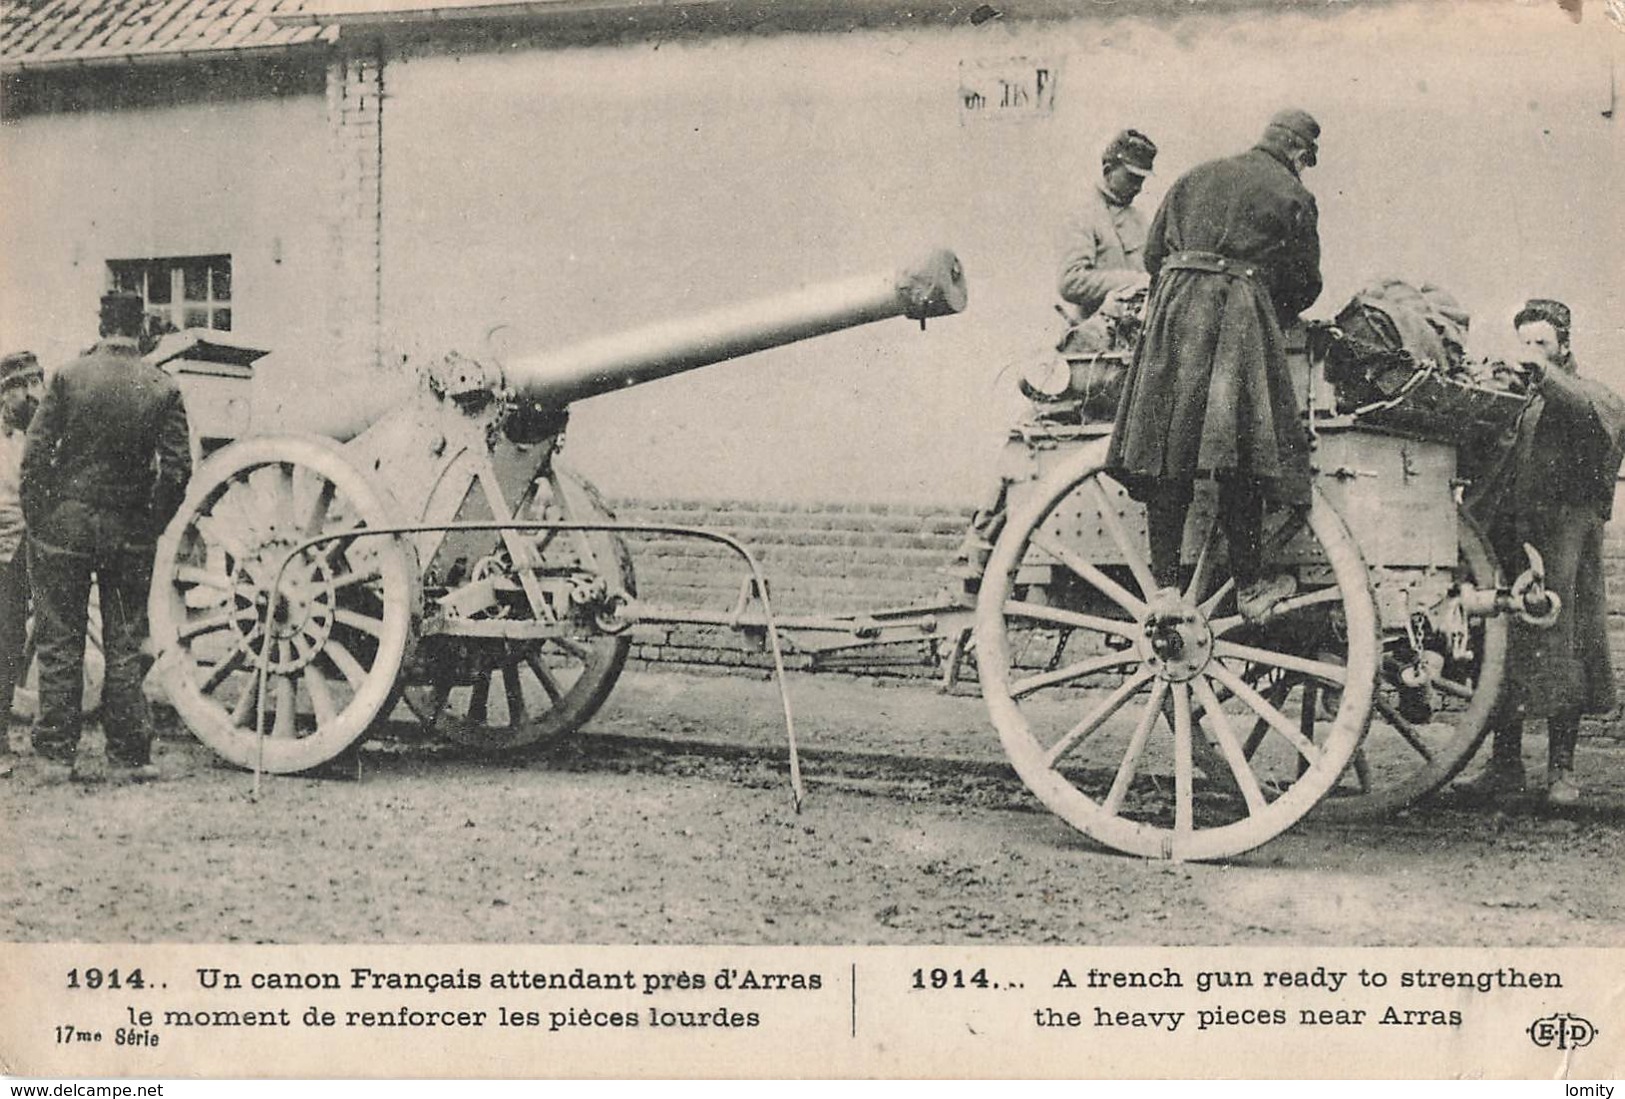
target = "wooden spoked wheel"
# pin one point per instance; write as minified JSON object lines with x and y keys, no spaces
{"x":1162,"y":724}
{"x":1421,"y":738}
{"x":342,"y":624}
{"x":498,"y":696}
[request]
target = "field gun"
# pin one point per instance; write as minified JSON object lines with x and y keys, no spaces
{"x":497,"y":636}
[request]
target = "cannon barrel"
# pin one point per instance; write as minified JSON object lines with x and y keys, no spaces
{"x":933,"y":288}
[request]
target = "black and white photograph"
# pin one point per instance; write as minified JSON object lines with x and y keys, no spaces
{"x":822,"y":475}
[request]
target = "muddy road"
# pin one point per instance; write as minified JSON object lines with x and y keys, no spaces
{"x":669,"y":821}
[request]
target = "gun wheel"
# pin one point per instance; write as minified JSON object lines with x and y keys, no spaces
{"x":1417,"y":744}
{"x":343,"y":620}
{"x":1164,"y":725}
{"x":504,"y":695}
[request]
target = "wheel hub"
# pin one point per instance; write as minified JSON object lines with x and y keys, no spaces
{"x":1176,"y":641}
{"x":302,"y":620}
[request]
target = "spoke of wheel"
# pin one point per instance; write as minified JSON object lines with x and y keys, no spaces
{"x":544,"y":677}
{"x":1276,"y":695}
{"x":349,"y":579}
{"x":1230,"y":746}
{"x":215,"y":531}
{"x":1184,"y":801}
{"x":214,"y":622}
{"x":286,"y":698}
{"x":1212,"y":602}
{"x":1125,"y":545}
{"x":242,"y":714}
{"x":321,"y":695}
{"x":222,"y":671}
{"x":1077,"y":670}
{"x":479,"y":700}
{"x":202,"y":577}
{"x":1136,"y":748}
{"x":1265,"y":709}
{"x":1101,"y":714}
{"x":1316,"y":669}
{"x":317,"y":515}
{"x":1204,"y":564}
{"x":345,"y":662}
{"x":1403,"y":727}
{"x":1056,"y":616}
{"x":516,"y":694}
{"x":1454,"y":689}
{"x":574,"y":648}
{"x":366,"y":623}
{"x":282,"y":489}
{"x":1087,"y":571}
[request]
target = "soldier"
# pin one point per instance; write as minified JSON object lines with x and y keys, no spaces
{"x":1102,"y":256}
{"x":21,"y":383}
{"x":1103,"y":252}
{"x":104,"y":470}
{"x":1233,"y":254}
{"x":1555,"y":490}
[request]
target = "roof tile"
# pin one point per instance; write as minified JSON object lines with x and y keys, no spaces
{"x":39,"y":31}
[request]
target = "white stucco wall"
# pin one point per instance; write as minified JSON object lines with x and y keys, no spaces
{"x":573,"y":191}
{"x":244,"y":177}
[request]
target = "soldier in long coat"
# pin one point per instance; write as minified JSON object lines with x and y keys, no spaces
{"x":1554,"y":489}
{"x":1234,"y":253}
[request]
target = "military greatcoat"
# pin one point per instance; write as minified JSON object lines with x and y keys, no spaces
{"x":1234,"y":251}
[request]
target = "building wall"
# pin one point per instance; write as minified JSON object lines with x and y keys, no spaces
{"x":136,"y":163}
{"x":549,"y":190}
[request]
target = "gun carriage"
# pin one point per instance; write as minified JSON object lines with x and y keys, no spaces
{"x":442,"y":552}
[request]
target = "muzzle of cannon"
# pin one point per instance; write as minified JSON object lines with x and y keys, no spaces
{"x":495,"y":637}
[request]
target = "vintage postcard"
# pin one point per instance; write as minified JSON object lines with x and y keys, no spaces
{"x":578,"y":538}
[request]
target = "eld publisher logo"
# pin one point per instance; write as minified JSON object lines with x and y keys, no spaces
{"x":1564,"y":1031}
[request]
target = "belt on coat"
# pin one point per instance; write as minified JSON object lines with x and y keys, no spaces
{"x":1214,"y":264}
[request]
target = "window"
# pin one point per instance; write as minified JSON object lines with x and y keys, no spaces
{"x":187,"y":291}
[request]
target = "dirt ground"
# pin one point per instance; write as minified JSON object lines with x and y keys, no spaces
{"x":669,"y":820}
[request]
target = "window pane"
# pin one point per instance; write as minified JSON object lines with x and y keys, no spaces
{"x":125,"y":277}
{"x":197,"y":318}
{"x":196,"y":281}
{"x":222,"y":319}
{"x":158,"y":282}
{"x":221,"y":275}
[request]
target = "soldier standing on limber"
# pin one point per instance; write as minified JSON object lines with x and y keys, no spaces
{"x":1554,"y":489}
{"x":104,"y":470}
{"x":1234,"y":254}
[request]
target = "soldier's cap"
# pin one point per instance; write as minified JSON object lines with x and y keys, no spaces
{"x":122,"y":312}
{"x":19,"y":367}
{"x":1550,"y":310}
{"x":1133,"y":150}
{"x":1300,"y":126}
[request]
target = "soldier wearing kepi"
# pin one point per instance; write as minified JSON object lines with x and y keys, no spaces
{"x":104,"y":469}
{"x":1233,"y":254}
{"x":1554,"y":489}
{"x":1103,"y":250}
